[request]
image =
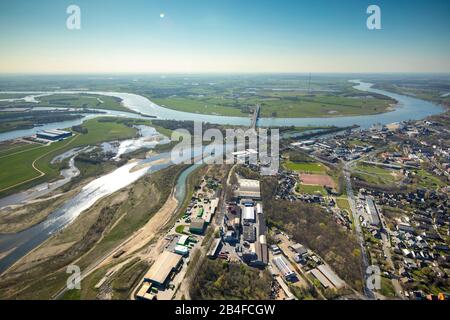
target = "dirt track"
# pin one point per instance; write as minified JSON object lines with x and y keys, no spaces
{"x":317,"y":179}
{"x":144,"y":235}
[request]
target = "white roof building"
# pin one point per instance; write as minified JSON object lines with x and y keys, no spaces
{"x":259,"y":208}
{"x":181,"y":250}
{"x":284,"y":268}
{"x":248,"y":214}
{"x":249,"y":189}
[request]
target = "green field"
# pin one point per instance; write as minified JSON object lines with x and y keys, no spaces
{"x":9,"y":147}
{"x":343,"y":204}
{"x":306,"y":167}
{"x":310,"y":189}
{"x":17,"y":164}
{"x":213,"y":106}
{"x":376,"y":175}
{"x":12,"y":95}
{"x":294,"y":105}
{"x":387,"y":288}
{"x":288,"y":104}
{"x":82,"y":101}
{"x":428,"y":181}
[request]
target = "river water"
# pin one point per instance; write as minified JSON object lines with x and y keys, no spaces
{"x":21,"y":243}
{"x":409,"y":108}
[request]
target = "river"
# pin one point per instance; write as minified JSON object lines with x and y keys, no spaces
{"x":19,"y":244}
{"x":409,"y":108}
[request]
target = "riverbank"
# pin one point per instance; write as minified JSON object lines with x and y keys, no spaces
{"x":408,"y":108}
{"x":96,"y":231}
{"x":32,"y":165}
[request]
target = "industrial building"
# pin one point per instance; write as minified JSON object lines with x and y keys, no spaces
{"x":299,"y":249}
{"x":275,"y":249}
{"x":214,"y":248}
{"x":259,"y":209}
{"x":197,"y":226}
{"x":214,"y":205}
{"x":287,"y":292}
{"x":262,"y":253}
{"x":144,"y":294}
{"x":282,"y":265}
{"x":182,"y":250}
{"x":162,"y":268}
{"x":249,"y":254}
{"x":230,"y":237}
{"x":333,"y":277}
{"x":322,"y":279}
{"x":248,"y":214}
{"x":327,"y":277}
{"x":53,"y":135}
{"x":249,"y":233}
{"x":183,"y":241}
{"x":245,"y":155}
{"x":248,"y":189}
{"x":373,"y":212}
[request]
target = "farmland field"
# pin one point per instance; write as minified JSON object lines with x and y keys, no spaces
{"x":277,"y":105}
{"x":212,"y":106}
{"x":279,"y":96}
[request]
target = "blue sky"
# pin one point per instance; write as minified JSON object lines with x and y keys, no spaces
{"x":224,"y":36}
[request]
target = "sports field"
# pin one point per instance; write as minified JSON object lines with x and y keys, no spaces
{"x":310,"y":189}
{"x":317,"y":180}
{"x":311,"y":167}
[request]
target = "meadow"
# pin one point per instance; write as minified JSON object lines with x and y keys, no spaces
{"x":30,"y":164}
{"x":311,"y":189}
{"x":376,"y":175}
{"x":82,"y":101}
{"x":277,"y":105}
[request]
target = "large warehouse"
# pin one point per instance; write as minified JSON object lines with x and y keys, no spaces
{"x":160,"y":271}
{"x":284,"y":268}
{"x":248,"y":214}
{"x":373,"y":212}
{"x":197,"y":226}
{"x":53,"y":135}
{"x":248,"y":189}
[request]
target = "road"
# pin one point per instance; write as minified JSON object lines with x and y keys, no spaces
{"x":358,"y":230}
{"x":386,"y":241}
{"x":183,"y":290}
{"x":287,"y":253}
{"x":137,"y":240}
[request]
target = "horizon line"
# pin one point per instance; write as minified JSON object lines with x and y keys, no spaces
{"x":225,"y":73}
